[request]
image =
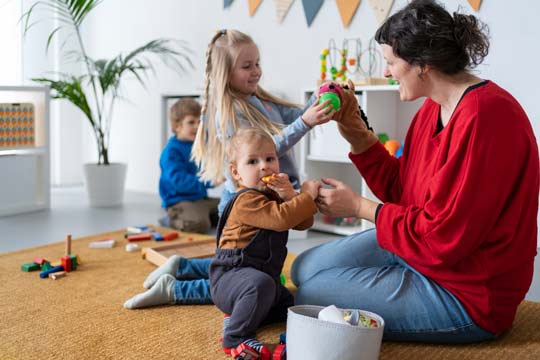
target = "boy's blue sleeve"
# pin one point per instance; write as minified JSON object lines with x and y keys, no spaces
{"x":176,"y":170}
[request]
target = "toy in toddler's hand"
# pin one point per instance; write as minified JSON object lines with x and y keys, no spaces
{"x":332,"y":92}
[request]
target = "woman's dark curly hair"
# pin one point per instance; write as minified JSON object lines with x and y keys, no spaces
{"x":424,"y":33}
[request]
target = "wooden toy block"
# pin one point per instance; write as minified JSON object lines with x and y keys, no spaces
{"x":46,"y":266}
{"x":134,"y":230}
{"x":170,"y":236}
{"x":39,"y":260}
{"x":45,"y":274}
{"x":109,"y":243}
{"x":66,"y":263}
{"x":79,"y":261}
{"x":157,"y":236}
{"x":197,"y":249}
{"x":68,"y":244}
{"x":57,"y":275}
{"x":73,"y":261}
{"x":140,"y":237}
{"x":30,"y":267}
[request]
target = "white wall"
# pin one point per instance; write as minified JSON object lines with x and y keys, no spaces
{"x":10,"y":38}
{"x":289,"y":54}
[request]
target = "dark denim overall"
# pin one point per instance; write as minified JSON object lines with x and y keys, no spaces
{"x":245,"y":282}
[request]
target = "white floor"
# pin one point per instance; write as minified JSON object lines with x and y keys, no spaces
{"x":70,"y":214}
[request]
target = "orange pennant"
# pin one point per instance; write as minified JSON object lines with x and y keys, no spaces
{"x":347,"y":9}
{"x":475,"y":4}
{"x":381,"y":8}
{"x":253,"y":6}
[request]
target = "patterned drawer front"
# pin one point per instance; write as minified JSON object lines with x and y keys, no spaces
{"x":17,"y":127}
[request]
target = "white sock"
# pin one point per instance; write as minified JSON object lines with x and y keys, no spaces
{"x":161,"y":293}
{"x":170,"y":267}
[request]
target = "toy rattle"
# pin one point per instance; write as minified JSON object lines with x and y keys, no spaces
{"x":331,"y":92}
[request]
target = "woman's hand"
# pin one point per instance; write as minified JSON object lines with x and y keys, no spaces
{"x":342,"y":201}
{"x":282,"y":186}
{"x":350,"y":124}
{"x":318,"y":114}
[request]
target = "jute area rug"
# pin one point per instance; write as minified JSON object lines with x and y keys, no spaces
{"x":81,"y":315}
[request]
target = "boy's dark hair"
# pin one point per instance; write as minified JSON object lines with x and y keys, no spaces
{"x":181,"y":109}
{"x":424,"y":33}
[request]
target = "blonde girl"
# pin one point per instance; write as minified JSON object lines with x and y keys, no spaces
{"x":232,"y":99}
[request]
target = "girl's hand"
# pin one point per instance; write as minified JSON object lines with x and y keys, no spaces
{"x":282,"y":186}
{"x":311,"y":187}
{"x":318,"y":114}
{"x":342,"y":201}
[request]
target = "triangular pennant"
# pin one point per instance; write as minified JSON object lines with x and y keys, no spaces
{"x":253,"y":6}
{"x":282,"y":8}
{"x":381,"y":8}
{"x":311,"y":8}
{"x":227,"y":3}
{"x":347,"y":9}
{"x":475,"y":4}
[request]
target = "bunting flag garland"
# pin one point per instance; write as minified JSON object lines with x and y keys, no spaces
{"x":381,"y":8}
{"x":227,"y":3}
{"x":311,"y":8}
{"x":282,"y":8}
{"x":253,"y":6}
{"x":475,"y":4}
{"x":347,"y":9}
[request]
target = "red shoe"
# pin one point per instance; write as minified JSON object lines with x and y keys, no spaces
{"x":246,"y":352}
{"x":280,"y":352}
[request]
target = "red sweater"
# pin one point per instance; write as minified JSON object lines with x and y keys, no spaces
{"x":461,"y":204}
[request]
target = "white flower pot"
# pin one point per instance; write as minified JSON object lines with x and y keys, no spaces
{"x":105,"y":184}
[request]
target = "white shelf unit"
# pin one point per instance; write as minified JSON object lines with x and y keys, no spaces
{"x":324,"y":153}
{"x":25,"y":179}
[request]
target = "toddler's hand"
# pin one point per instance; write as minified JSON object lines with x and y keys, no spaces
{"x":281,"y":185}
{"x":311,"y":187}
{"x":318,"y":114}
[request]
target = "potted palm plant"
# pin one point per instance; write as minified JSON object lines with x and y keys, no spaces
{"x":97,"y":88}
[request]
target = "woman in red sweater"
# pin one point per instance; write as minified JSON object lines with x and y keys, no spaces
{"x":452,"y":254}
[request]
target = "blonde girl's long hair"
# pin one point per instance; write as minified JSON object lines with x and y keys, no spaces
{"x":219,"y":98}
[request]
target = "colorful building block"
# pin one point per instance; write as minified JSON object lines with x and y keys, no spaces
{"x":140,"y":237}
{"x":170,"y":236}
{"x":45,"y":274}
{"x":30,"y":267}
{"x":39,"y":260}
{"x":66,"y":263}
{"x":73,"y":261}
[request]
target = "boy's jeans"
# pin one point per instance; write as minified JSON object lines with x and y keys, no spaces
{"x":355,"y":273}
{"x":192,"y":285}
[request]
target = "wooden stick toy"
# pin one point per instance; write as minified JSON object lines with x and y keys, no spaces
{"x":68,"y":244}
{"x":57,"y":275}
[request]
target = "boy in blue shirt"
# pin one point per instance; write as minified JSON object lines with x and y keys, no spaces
{"x":184,"y":195}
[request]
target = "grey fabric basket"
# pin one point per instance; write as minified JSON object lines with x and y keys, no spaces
{"x":314,"y":339}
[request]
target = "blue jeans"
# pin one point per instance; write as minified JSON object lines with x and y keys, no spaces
{"x":356,"y":273}
{"x":192,"y":285}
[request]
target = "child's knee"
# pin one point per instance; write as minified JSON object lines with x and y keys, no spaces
{"x":196,"y":226}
